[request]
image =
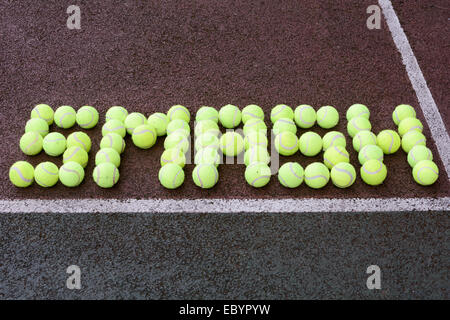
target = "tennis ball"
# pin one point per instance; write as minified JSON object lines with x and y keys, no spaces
{"x":205,"y":175}
{"x":409,"y":124}
{"x":177,"y":140}
{"x":79,"y":139}
{"x":256,"y":154}
{"x":21,"y":174}
{"x":333,"y":138}
{"x":364,"y":138}
{"x":159,"y":121}
{"x":173,"y":155}
{"x":281,"y":111}
{"x":231,"y":144}
{"x":230,"y":116}
{"x":255,"y":139}
{"x":206,"y":126}
{"x":134,"y":120}
{"x":44,"y":112}
{"x":291,"y":175}
{"x":46,"y":174}
{"x":207,"y":155}
{"x":87,"y":117}
{"x":38,"y":125}
{"x":54,"y":144}
{"x":334,"y":155}
{"x":116,"y":113}
{"x":171,"y":176}
{"x":310,"y":144}
{"x":257,"y":174}
{"x":31,"y":143}
{"x":207,"y":113}
{"x":76,"y":154}
{"x":284,"y":124}
{"x":113,"y":140}
{"x":412,"y":139}
{"x":179,"y":112}
{"x":343,"y":175}
{"x":71,"y":174}
{"x":207,"y":140}
{"x":403,"y":111}
{"x":180,"y":126}
{"x":373,"y":172}
{"x":305,"y":116}
{"x":114,"y":126}
{"x":388,"y":141}
{"x":370,"y":152}
{"x":107,"y":155}
{"x":357,"y":110}
{"x":425,"y":172}
{"x":65,"y":117}
{"x":358,"y":124}
{"x":317,"y":175}
{"x":106,"y":174}
{"x":419,"y":153}
{"x":254,"y":124}
{"x":286,"y":143}
{"x":327,"y":117}
{"x":144,"y":136}
{"x":252,"y":111}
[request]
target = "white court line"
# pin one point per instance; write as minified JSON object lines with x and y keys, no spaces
{"x":426,"y":101}
{"x":226,"y":205}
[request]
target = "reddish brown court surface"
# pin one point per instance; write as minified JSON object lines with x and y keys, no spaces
{"x":148,"y":56}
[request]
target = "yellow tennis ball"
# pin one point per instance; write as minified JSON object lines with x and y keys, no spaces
{"x":65,"y":117}
{"x":87,"y":117}
{"x":425,"y":172}
{"x":171,"y":176}
{"x":281,"y":111}
{"x":207,"y":140}
{"x":38,"y":125}
{"x":284,"y":124}
{"x":106,"y":175}
{"x":291,"y":175}
{"x":44,"y":112}
{"x":173,"y":155}
{"x":31,"y":143}
{"x":409,"y":124}
{"x":327,"y":117}
{"x":334,"y":155}
{"x":205,"y":175}
{"x":54,"y":144}
{"x":403,"y":111}
{"x":343,"y":175}
{"x":364,"y":138}
{"x":159,"y":121}
{"x":116,"y":113}
{"x":256,"y":154}
{"x":252,"y":111}
{"x":254,"y":124}
{"x":317,"y":175}
{"x":258,"y":174}
{"x":358,"y":124}
{"x":79,"y":139}
{"x":358,"y":110}
{"x":21,"y":174}
{"x":134,"y":120}
{"x":144,"y":136}
{"x":107,"y":155}
{"x":231,"y":144}
{"x":207,"y":113}
{"x":255,"y":139}
{"x":71,"y":174}
{"x":114,"y":126}
{"x":206,"y":126}
{"x":180,"y":126}
{"x":76,"y":154}
{"x":230,"y":116}
{"x":411,"y":139}
{"x":333,"y":138}
{"x":207,"y":155}
{"x":177,"y":140}
{"x":179,"y":112}
{"x":286,"y":143}
{"x":46,"y":174}
{"x":373,"y":172}
{"x":419,"y":153}
{"x":305,"y":116}
{"x":310,"y":144}
{"x":370,"y":152}
{"x":389,"y":141}
{"x":113,"y":140}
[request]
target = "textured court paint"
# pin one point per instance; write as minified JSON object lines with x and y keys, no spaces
{"x":427,"y":103}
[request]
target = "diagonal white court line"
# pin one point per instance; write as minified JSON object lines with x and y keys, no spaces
{"x":426,"y":101}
